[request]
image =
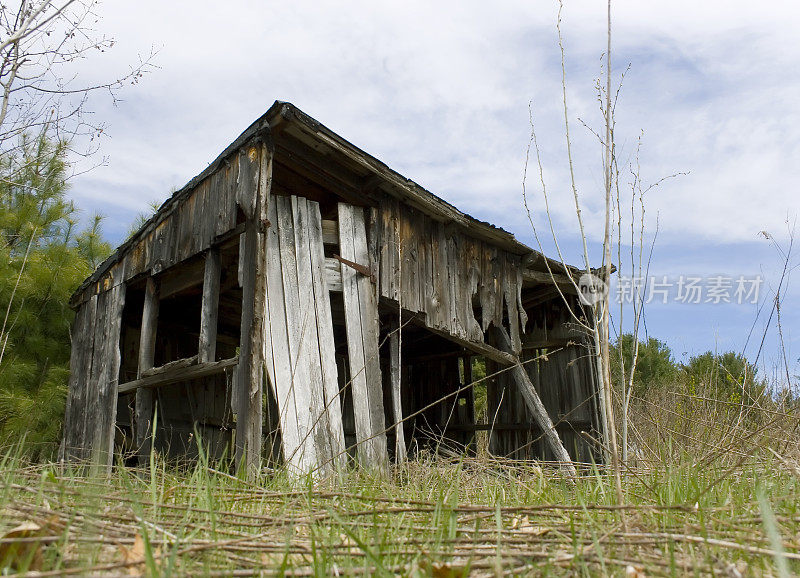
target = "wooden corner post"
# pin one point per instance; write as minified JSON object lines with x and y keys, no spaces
{"x":252,"y":195}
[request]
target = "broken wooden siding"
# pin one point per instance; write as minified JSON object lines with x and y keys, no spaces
{"x":437,"y":269}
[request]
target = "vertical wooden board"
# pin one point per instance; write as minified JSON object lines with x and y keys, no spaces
{"x":361,"y":318}
{"x":247,"y":181}
{"x":454,"y":269}
{"x":209,"y":310}
{"x":397,"y":403}
{"x":101,"y":426}
{"x":303,"y":456}
{"x":424,"y":281}
{"x":407,"y":261}
{"x":99,"y":362}
{"x":510,"y":294}
{"x":388,"y":249}
{"x":80,"y":367}
{"x":327,"y":349}
{"x":281,"y":368}
{"x":441,"y":278}
{"x":144,"y":397}
{"x":375,"y":242}
{"x":321,"y":435}
{"x":486,"y":287}
{"x":248,"y":381}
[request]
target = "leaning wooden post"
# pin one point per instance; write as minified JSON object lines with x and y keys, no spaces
{"x":209,"y":312}
{"x":144,"y":396}
{"x":535,"y":406}
{"x":252,"y":194}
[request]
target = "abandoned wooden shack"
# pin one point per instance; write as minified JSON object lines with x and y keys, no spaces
{"x":299,"y":302}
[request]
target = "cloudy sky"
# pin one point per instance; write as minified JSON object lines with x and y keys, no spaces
{"x":441,"y":92}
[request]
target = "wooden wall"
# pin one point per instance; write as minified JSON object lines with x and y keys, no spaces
{"x":436,"y":269}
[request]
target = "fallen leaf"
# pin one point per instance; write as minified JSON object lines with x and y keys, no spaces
{"x":134,"y":556}
{"x":24,"y":554}
{"x":523,"y":524}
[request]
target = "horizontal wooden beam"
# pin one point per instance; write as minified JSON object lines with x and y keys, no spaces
{"x":182,"y":277}
{"x":487,"y":351}
{"x":543,"y":277}
{"x":170,"y":374}
{"x":171,"y":366}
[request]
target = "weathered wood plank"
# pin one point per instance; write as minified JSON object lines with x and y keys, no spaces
{"x":80,"y":368}
{"x":167,"y":367}
{"x":303,"y":456}
{"x":252,"y":191}
{"x":361,"y":314}
{"x":326,"y":431}
{"x":209,"y":312}
{"x":333,"y":274}
{"x":248,"y":394}
{"x":104,"y":419}
{"x":166,"y":375}
{"x":334,"y":430}
{"x":143,"y":418}
{"x":397,"y":404}
{"x":330,"y":232}
{"x":99,"y":370}
{"x":279,"y":364}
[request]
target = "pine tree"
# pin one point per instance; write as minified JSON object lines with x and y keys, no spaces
{"x":43,"y":258}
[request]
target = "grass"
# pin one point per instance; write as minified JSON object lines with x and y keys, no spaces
{"x":429,"y":518}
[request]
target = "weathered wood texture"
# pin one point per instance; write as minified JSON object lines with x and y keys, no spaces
{"x":207,"y":349}
{"x":92,"y":398}
{"x":252,"y":194}
{"x":395,"y":375}
{"x":437,"y":270}
{"x":362,"y":326}
{"x":299,"y":343}
{"x":206,"y":212}
{"x":143,"y":416}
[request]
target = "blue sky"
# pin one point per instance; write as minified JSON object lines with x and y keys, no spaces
{"x":441,"y":94}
